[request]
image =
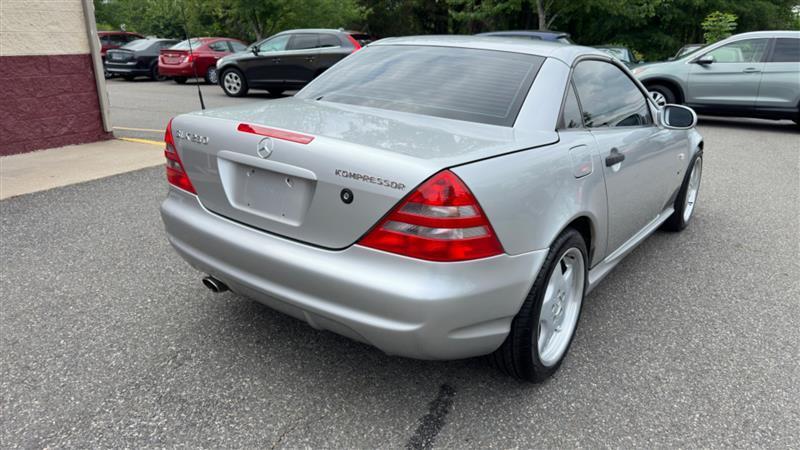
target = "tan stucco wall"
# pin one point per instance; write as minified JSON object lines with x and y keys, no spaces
{"x":42,"y":27}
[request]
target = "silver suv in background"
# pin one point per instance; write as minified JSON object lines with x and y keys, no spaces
{"x":750,"y":74}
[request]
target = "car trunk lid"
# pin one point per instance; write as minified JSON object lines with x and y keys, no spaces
{"x":320,"y":173}
{"x":173,"y":57}
{"x":119,"y":55}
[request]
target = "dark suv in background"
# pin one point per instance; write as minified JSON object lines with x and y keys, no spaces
{"x":286,"y":61}
{"x":137,"y":58}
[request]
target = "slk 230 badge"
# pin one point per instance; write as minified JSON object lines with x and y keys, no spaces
{"x":191,"y":137}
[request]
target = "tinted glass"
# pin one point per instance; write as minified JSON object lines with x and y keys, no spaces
{"x":139,"y":44}
{"x":786,"y":50}
{"x":747,"y":51}
{"x":219,"y":46}
{"x":608,"y":97}
{"x":237,"y":46}
{"x":184,"y":45}
{"x":329,"y":40}
{"x":571,"y":113}
{"x":362,"y":38}
{"x":303,"y":41}
{"x":170,"y":44}
{"x":466,"y":84}
{"x":119,"y":39}
{"x":276,"y":44}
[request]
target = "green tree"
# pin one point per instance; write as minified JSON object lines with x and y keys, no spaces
{"x":718,"y":26}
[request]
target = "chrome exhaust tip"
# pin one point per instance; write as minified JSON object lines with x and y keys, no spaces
{"x":214,"y":285}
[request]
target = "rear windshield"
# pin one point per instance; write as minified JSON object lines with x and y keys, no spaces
{"x":139,"y":44}
{"x":184,"y":45}
{"x":484,"y":86}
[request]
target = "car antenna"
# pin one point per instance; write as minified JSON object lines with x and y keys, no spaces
{"x":191,"y":56}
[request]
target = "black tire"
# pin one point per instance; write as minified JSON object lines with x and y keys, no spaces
{"x":518,"y":356}
{"x":129,"y":77}
{"x":211,"y":76}
{"x":677,"y":222}
{"x":275,"y":92}
{"x":154,"y":75}
{"x":669,"y":95}
{"x":242,"y":80}
{"x":179,"y":80}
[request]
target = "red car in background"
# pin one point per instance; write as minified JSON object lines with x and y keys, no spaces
{"x":114,"y":39}
{"x":177,"y":62}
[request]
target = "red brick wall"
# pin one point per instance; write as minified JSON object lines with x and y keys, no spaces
{"x":48,"y":101}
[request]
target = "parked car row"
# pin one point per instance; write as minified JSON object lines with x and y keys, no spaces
{"x":752,"y":74}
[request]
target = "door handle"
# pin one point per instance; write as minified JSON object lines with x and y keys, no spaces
{"x":614,"y":158}
{"x":751,"y":70}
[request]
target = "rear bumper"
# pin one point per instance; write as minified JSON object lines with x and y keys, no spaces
{"x":177,"y":70}
{"x":400,"y":305}
{"x":126,"y":69}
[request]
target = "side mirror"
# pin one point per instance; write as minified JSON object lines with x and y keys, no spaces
{"x":678,"y":117}
{"x":704,"y":60}
{"x":254,"y":49}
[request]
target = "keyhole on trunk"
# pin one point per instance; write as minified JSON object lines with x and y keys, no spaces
{"x":289,"y":182}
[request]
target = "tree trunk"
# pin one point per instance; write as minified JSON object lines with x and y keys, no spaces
{"x":541,"y":14}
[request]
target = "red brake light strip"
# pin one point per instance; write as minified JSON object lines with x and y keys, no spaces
{"x":274,"y":133}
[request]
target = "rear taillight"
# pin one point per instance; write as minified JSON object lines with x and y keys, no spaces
{"x":356,"y":45}
{"x":176,"y":175}
{"x":440,"y":221}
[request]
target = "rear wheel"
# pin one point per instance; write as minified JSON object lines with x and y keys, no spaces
{"x":154,"y":75}
{"x":542,"y":331}
{"x":687,"y":197}
{"x":233,"y":83}
{"x":662,"y":95}
{"x":179,"y":80}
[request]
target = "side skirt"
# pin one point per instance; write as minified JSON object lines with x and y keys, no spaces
{"x":602,"y":269}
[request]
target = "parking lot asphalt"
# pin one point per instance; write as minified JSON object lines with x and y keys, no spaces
{"x":142,"y":108}
{"x":108,"y":339}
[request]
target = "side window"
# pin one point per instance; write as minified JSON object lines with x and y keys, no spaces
{"x":747,"y":51}
{"x":303,"y":42}
{"x":276,"y":44}
{"x":786,"y":50}
{"x":608,"y":97}
{"x":329,"y":40}
{"x":219,"y":46}
{"x":571,"y":112}
{"x":237,"y":46}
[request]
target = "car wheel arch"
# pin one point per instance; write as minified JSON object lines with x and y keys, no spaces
{"x":666,"y":82}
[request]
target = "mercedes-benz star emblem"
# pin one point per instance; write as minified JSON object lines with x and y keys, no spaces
{"x":265,"y":148}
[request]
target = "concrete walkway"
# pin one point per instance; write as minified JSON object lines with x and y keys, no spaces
{"x":47,"y":169}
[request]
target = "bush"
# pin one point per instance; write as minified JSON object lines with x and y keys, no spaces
{"x":718,"y":26}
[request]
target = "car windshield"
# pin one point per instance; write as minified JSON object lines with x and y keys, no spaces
{"x":482,"y":86}
{"x":184,"y":45}
{"x":619,"y":53}
{"x":139,"y":44}
{"x":688,"y":50}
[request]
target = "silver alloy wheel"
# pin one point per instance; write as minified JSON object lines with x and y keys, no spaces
{"x":232,"y":82}
{"x":561,"y":307}
{"x":692,"y":189}
{"x":659,"y":98}
{"x":212,"y":76}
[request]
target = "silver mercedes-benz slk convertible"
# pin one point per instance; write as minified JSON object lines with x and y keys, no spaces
{"x":436,"y":197}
